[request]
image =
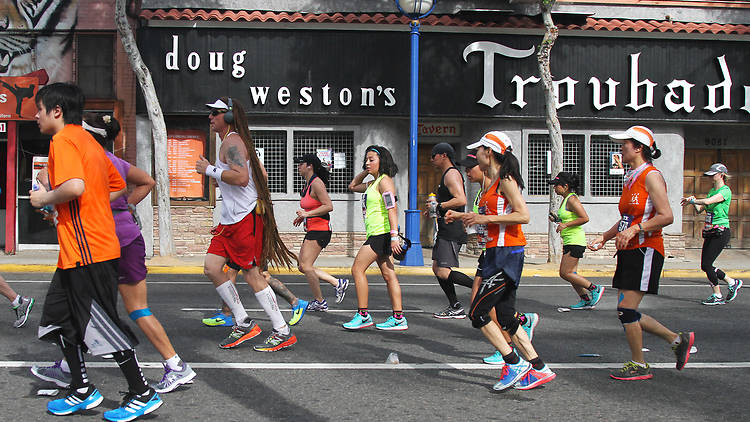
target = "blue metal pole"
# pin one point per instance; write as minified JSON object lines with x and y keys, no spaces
{"x":414,"y":254}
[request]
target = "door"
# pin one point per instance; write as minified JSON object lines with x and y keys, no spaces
{"x":427,"y":182}
{"x":694,"y":183}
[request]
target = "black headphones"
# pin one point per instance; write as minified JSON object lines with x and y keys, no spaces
{"x":229,"y":115}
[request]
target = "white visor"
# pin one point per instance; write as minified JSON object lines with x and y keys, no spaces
{"x":218,"y":104}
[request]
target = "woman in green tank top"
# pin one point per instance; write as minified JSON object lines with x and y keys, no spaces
{"x":570,"y":217}
{"x":716,"y":233}
{"x":381,"y":224}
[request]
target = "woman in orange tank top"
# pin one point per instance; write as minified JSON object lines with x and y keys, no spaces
{"x":644,"y":211}
{"x":315,"y":215}
{"x":502,"y":211}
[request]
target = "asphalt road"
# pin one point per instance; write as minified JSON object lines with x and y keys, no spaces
{"x":332,"y":374}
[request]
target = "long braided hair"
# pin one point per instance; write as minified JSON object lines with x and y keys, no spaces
{"x":275,"y":251}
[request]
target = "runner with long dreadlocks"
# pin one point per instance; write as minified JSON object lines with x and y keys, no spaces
{"x":246,"y":236}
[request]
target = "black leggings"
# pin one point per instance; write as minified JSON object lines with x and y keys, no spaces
{"x":498,"y":292}
{"x":712,"y":247}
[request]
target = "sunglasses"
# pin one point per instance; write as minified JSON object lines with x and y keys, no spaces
{"x":216,"y":112}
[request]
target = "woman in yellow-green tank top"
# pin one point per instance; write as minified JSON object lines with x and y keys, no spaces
{"x":380,"y":213}
{"x":570,"y":217}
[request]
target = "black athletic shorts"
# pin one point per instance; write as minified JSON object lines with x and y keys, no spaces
{"x":638,"y":269}
{"x":576,"y":251}
{"x":381,"y":244}
{"x":323,"y":237}
{"x":81,"y":304}
{"x":445,"y":253}
{"x":479,"y":265}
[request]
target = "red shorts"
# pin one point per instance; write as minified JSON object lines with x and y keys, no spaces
{"x":241,"y":243}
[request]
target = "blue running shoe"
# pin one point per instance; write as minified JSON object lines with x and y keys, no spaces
{"x":219,"y":320}
{"x":583,"y":304}
{"x":135,"y":406}
{"x":496,"y":359}
{"x":596,"y":295}
{"x":358,"y":322}
{"x":298,"y":311}
{"x":512,"y":374}
{"x":535,"y":378}
{"x":531,"y":321}
{"x":76,"y":402}
{"x":393,"y":324}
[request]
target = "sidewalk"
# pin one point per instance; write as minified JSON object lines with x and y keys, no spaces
{"x":735,"y":262}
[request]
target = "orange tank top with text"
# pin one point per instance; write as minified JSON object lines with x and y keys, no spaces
{"x":495,"y":203}
{"x":636,"y":207}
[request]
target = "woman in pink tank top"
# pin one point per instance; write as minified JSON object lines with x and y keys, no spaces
{"x":315,"y":216}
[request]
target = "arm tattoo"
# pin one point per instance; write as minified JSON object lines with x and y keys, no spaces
{"x":234,"y":156}
{"x":280,"y":289}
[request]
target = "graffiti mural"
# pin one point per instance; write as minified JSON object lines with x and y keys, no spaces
{"x":37,"y":34}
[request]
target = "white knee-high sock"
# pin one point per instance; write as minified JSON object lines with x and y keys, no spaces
{"x":229,"y":295}
{"x":267,"y":300}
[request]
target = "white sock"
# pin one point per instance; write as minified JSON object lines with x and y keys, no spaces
{"x":16,"y":302}
{"x":677,"y":340}
{"x":267,"y":300}
{"x":718,"y":295}
{"x":174,"y":363}
{"x":64,"y":366}
{"x":730,"y":281}
{"x":229,"y":295}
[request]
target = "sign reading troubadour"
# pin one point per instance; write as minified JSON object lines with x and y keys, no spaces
{"x":17,"y":97}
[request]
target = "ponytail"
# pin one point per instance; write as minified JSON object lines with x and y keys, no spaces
{"x":509,"y":167}
{"x":322,"y":173}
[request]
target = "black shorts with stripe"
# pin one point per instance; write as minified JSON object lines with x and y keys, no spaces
{"x":638,"y":269}
{"x":81,"y":305}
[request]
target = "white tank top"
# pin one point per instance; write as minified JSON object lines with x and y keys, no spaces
{"x":237,"y":201}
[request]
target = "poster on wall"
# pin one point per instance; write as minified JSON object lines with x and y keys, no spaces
{"x":17,"y":98}
{"x":326,"y":157}
{"x":616,"y":168}
{"x":184,"y":148}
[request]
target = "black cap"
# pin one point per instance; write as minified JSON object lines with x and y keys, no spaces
{"x":468,"y":162}
{"x":308,"y":159}
{"x":444,"y":148}
{"x":565,"y":178}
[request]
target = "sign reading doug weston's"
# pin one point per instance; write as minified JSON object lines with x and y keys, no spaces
{"x":471,"y":75}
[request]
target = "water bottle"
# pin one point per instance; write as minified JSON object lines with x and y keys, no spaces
{"x":432,"y":200}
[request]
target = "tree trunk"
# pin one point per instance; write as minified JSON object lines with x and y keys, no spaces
{"x":553,"y":123}
{"x":158,"y":129}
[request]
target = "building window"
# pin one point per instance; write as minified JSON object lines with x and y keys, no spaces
{"x":334,"y":147}
{"x":604,"y":181}
{"x":95,"y":58}
{"x":539,"y":161}
{"x":271,"y":148}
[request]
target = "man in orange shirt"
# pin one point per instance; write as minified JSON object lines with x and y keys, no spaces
{"x":80,"y":310}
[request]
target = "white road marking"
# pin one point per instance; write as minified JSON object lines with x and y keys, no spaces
{"x":314,"y":366}
{"x":372,"y":311}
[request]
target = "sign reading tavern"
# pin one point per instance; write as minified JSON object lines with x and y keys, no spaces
{"x":366,"y":73}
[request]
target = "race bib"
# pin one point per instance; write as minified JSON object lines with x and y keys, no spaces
{"x":709,"y":220}
{"x":625,"y":222}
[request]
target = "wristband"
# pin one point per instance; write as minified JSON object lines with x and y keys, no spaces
{"x":394,"y":232}
{"x":394,"y":238}
{"x":215,"y":172}
{"x":692,"y":201}
{"x":640,"y":228}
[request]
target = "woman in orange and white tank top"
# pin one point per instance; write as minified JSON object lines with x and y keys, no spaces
{"x":502,"y":211}
{"x":644,"y":211}
{"x":316,"y":206}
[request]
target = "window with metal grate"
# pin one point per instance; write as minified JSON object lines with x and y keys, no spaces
{"x":539,"y":161}
{"x":271,"y":146}
{"x":335,"y":147}
{"x":603,"y":181}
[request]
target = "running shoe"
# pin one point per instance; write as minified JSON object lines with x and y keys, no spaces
{"x":511,"y":374}
{"x":531,"y":322}
{"x":219,"y":320}
{"x":22,"y":311}
{"x":583,"y":304}
{"x":341,"y":289}
{"x":450,"y":312}
{"x":174,"y":378}
{"x":631,"y":371}
{"x":393,"y":324}
{"x":76,"y":402}
{"x":298,"y":311}
{"x":240,"y":335}
{"x":682,"y":350}
{"x":275,"y":342}
{"x":358,"y":322}
{"x":535,"y":378}
{"x":53,"y":373}
{"x":714,"y":300}
{"x":596,"y":295}
{"x":315,"y":306}
{"x":134,"y":406}
{"x":495,"y":359}
{"x":733,"y":290}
